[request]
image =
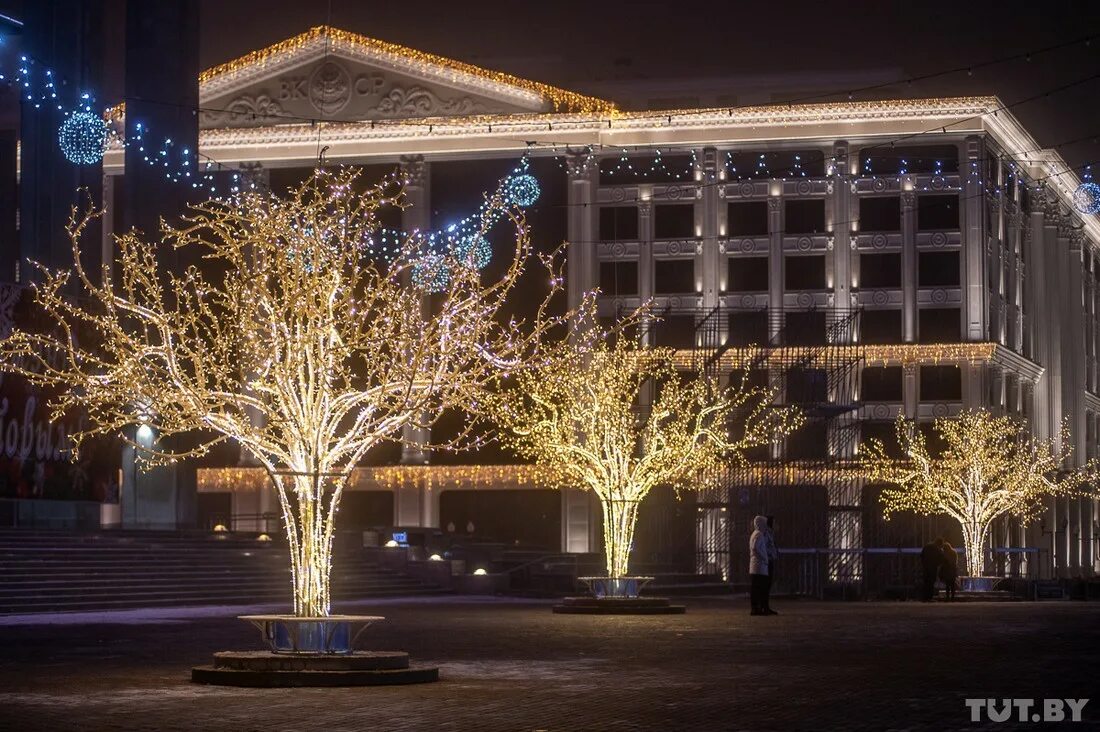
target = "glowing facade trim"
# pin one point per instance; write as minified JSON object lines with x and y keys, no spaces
{"x":412,"y":61}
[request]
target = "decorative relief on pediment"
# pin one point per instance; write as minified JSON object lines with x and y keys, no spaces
{"x":340,"y":90}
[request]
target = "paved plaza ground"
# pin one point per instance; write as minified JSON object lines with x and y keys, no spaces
{"x":512,"y":665}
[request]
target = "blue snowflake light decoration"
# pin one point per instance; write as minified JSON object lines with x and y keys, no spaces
{"x":523,"y":190}
{"x":474,"y":250}
{"x":431,"y":273}
{"x":1086,"y":198}
{"x":82,"y":138}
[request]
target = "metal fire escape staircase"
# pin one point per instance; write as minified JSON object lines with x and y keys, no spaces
{"x":819,"y":374}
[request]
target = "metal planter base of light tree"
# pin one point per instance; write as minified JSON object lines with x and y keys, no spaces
{"x":312,"y":652}
{"x":617,"y":596}
{"x":980,"y":584}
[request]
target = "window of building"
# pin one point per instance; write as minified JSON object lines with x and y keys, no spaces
{"x":880,"y":326}
{"x":672,"y":276}
{"x":741,"y":164}
{"x":934,"y":441}
{"x":804,"y":272}
{"x":879,"y":270}
{"x":915,"y":159}
{"x":747,"y":218}
{"x":619,"y":277}
{"x":937,"y":212}
{"x":939,"y":325}
{"x":938,"y":269}
{"x":674,"y":221}
{"x":619,"y":223}
{"x":804,"y":216}
{"x":806,"y":386}
{"x":609,"y":323}
{"x":804,"y":328}
{"x":747,"y":274}
{"x":748,"y":328}
{"x":808,"y":442}
{"x":881,"y":384}
{"x":663,"y":169}
{"x":674,"y":331}
{"x":940,"y":384}
{"x":880,"y":214}
{"x":883,"y":432}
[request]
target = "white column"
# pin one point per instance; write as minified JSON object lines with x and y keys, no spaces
{"x":909,"y":266}
{"x":775,"y":259}
{"x":709,"y":260}
{"x":412,"y":503}
{"x":973,"y":244}
{"x":578,"y":526}
{"x":838,"y":210}
{"x":581,"y":274}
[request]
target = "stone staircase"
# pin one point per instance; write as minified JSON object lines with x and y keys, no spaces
{"x":49,"y":571}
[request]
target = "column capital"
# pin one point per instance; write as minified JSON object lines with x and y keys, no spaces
{"x":580,"y":164}
{"x":415,"y":168}
{"x":908,"y":199}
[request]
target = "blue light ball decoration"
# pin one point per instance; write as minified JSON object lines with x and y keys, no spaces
{"x":523,"y":190}
{"x":474,"y":250}
{"x":82,"y":138}
{"x":431,"y":273}
{"x":1086,"y":198}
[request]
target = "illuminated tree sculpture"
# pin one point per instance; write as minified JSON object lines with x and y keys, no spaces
{"x":581,"y":423}
{"x":302,"y":338}
{"x":990,"y":467}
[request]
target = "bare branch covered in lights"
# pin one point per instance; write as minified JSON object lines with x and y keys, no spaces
{"x":990,"y":467}
{"x":580,"y":421}
{"x":301,"y":338}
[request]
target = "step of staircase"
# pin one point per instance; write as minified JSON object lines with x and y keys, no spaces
{"x":57,"y":571}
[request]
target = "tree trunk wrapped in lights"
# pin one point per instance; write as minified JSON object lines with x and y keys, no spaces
{"x":990,"y":467}
{"x":302,"y":339}
{"x":581,"y":423}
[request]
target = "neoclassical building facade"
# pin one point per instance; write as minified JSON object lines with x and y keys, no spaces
{"x":934,"y":239}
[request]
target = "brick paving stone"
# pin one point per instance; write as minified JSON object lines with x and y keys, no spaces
{"x":510,"y":665}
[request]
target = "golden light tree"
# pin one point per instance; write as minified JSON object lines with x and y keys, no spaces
{"x":990,"y":467}
{"x":302,"y":338}
{"x":581,"y":422}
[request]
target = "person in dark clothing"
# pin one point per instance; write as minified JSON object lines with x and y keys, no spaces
{"x":949,"y":570}
{"x":931,"y":557}
{"x":773,"y":555}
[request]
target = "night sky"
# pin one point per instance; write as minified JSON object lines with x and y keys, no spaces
{"x":632,"y":47}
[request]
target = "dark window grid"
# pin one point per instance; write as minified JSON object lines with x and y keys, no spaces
{"x":671,"y":275}
{"x":745,"y":270}
{"x":805,"y":272}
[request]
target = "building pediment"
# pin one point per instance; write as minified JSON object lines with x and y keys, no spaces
{"x":328,"y":74}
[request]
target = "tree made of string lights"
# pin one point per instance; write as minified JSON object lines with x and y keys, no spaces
{"x":300,"y":338}
{"x":989,"y":467}
{"x":581,"y":422}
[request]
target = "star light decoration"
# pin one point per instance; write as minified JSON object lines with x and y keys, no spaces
{"x":465,"y":244}
{"x":579,"y":421}
{"x":82,"y":137}
{"x":1086,"y":198}
{"x":306,"y":368}
{"x":991,"y":467}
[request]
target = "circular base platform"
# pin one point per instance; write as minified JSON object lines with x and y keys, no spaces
{"x":267,"y":669}
{"x":618,"y":606}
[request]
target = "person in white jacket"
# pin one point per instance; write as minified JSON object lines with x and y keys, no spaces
{"x":758,"y":566}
